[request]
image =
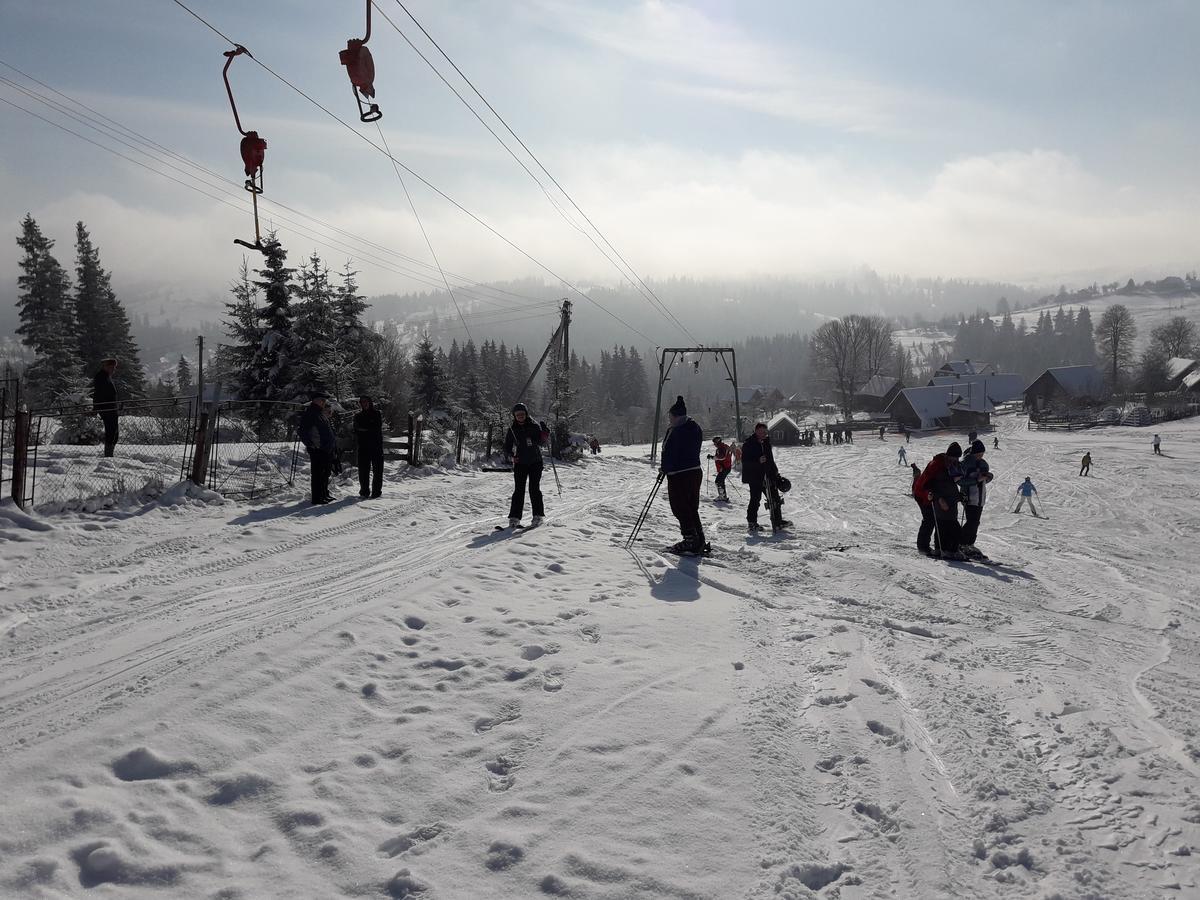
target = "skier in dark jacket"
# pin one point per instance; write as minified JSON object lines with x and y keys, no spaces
{"x":104,"y":403}
{"x":939,"y":483}
{"x":320,"y":443}
{"x":758,"y":465}
{"x":368,"y":435}
{"x":1085,"y":465}
{"x":976,"y":475}
{"x":523,"y":445}
{"x":681,"y":465}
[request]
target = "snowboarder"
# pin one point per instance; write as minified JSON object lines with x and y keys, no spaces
{"x":1086,"y":465}
{"x":368,"y":435}
{"x":976,"y":477}
{"x":759,"y":473}
{"x":724,"y":464}
{"x":523,"y":446}
{"x":320,"y":443}
{"x":921,"y":496}
{"x":902,"y":457}
{"x":1157,"y":446}
{"x":1027,"y":492}
{"x":680,"y":464}
{"x":939,"y":482}
{"x":104,"y":403}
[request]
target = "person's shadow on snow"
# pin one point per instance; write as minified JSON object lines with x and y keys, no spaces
{"x":301,"y":508}
{"x":680,"y":584}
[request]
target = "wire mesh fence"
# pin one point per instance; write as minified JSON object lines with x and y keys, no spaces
{"x":10,"y":402}
{"x":254,"y":448}
{"x":67,"y":466}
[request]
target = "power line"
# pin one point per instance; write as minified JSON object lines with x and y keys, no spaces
{"x":423,"y":180}
{"x":525,"y":147}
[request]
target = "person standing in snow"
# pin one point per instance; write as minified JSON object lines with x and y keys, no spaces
{"x":523,"y":445}
{"x":758,"y":465}
{"x":976,"y":475}
{"x":882,"y":428}
{"x":320,"y":443}
{"x":723,"y":461}
{"x":680,"y":463}
{"x":1157,"y":446}
{"x":995,"y":442}
{"x":921,"y":496}
{"x":104,"y":403}
{"x":1085,"y":465}
{"x":902,"y":457}
{"x":1027,"y":492}
{"x":368,"y":434}
{"x":939,"y":482}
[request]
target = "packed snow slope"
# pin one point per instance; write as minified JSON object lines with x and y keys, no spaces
{"x":389,"y":699}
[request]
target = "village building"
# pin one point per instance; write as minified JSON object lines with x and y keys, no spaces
{"x":877,"y":394}
{"x":1064,"y":387}
{"x":783,"y":431}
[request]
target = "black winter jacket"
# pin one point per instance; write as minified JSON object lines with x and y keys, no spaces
{"x":368,"y":429}
{"x":681,"y":448}
{"x":752,"y":470}
{"x":104,"y":392}
{"x":315,"y":431}
{"x":523,"y":444}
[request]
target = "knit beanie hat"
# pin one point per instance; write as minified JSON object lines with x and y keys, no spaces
{"x":978,"y":447}
{"x":680,"y":408}
{"x":954,"y":450}
{"x":520,"y":407}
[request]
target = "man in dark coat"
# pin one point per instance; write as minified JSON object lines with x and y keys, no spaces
{"x":523,"y":445}
{"x":104,"y":403}
{"x":681,"y":464}
{"x":939,"y":484}
{"x":316,"y":434}
{"x":368,"y":435}
{"x":758,"y":465}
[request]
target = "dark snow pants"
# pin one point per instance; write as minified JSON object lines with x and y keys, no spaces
{"x":970,"y":527}
{"x":722,"y":474}
{"x":112,"y":430}
{"x":683,"y":491}
{"x":925,"y":532}
{"x":756,"y":492}
{"x":370,"y":471}
{"x":533,"y":475}
{"x":1083,"y":470}
{"x":946,"y":531}
{"x":319,"y":467}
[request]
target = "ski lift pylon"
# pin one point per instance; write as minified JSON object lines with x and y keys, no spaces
{"x":253,"y":150}
{"x":361,"y":68}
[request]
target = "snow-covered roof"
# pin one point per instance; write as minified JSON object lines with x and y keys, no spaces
{"x":967,"y":367}
{"x":878,"y":386}
{"x":928,"y":403}
{"x":779,"y":419}
{"x":1192,"y":380}
{"x":998,"y":388}
{"x":1078,"y":381}
{"x":1177,"y":367}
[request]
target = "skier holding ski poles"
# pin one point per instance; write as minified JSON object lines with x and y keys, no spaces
{"x":724,"y":464}
{"x":523,"y":445}
{"x":680,"y":464}
{"x":938,"y":486}
{"x":1027,"y":492}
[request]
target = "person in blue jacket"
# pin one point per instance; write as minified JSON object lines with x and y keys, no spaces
{"x":320,"y":443}
{"x":681,"y":465}
{"x":1027,"y":492}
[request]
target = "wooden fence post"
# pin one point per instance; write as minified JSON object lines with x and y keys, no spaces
{"x":200,"y":456}
{"x":22,"y":422}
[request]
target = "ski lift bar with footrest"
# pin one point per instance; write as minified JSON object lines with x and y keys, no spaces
{"x":253,"y":150}
{"x":361,"y":69}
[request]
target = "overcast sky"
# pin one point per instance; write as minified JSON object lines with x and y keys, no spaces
{"x":1035,"y":141}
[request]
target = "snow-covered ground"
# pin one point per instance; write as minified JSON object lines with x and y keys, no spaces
{"x":388,"y":698}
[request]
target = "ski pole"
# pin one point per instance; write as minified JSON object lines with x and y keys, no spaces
{"x":707,"y":485}
{"x":554,"y":469}
{"x":637,"y":526}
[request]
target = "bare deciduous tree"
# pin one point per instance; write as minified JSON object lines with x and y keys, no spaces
{"x":849,"y":351}
{"x":1177,"y":337}
{"x":1115,"y":334}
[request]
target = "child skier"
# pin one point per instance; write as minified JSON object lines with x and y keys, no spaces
{"x":724,"y":464}
{"x":1027,"y":492}
{"x":902,"y":457}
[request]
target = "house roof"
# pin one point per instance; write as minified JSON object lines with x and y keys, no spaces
{"x":967,"y":367}
{"x":746,"y":394}
{"x":779,"y":419}
{"x":1192,"y":379}
{"x":1078,"y":381}
{"x":1177,"y":367}
{"x":927,"y":402}
{"x":998,"y":388}
{"x":878,"y":386}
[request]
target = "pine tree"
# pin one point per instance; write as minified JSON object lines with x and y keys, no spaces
{"x":314,"y":336}
{"x":355,"y":335}
{"x":235,"y":361}
{"x":428,"y":377}
{"x":183,"y":377}
{"x":46,"y":316}
{"x":103,"y":325}
{"x":270,"y":372}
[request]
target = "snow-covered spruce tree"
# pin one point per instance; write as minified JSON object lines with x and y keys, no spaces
{"x":352,"y":332}
{"x":103,"y":327}
{"x":234,"y":362}
{"x":183,"y":377}
{"x":270,"y":373}
{"x":428,"y":377}
{"x":314,"y":336}
{"x":47,"y":323}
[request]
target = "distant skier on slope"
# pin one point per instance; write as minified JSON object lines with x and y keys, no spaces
{"x":902,"y":457}
{"x":724,"y":464}
{"x":1157,"y":446}
{"x":995,"y":442}
{"x":1027,"y":492}
{"x":1085,"y":465}
{"x":680,"y":464}
{"x":758,"y":468}
{"x":523,"y":445}
{"x":976,"y":477}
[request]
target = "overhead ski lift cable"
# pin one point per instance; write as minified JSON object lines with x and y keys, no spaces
{"x":319,"y":240}
{"x":532,"y":156}
{"x":424,"y":233}
{"x":537,"y":262}
{"x":115,"y":131}
{"x":630,"y":276}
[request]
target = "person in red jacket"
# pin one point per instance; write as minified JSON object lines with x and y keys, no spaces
{"x":724,"y":463}
{"x":937,"y":486}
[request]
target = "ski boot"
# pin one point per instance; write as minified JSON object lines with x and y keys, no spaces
{"x":754,"y":526}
